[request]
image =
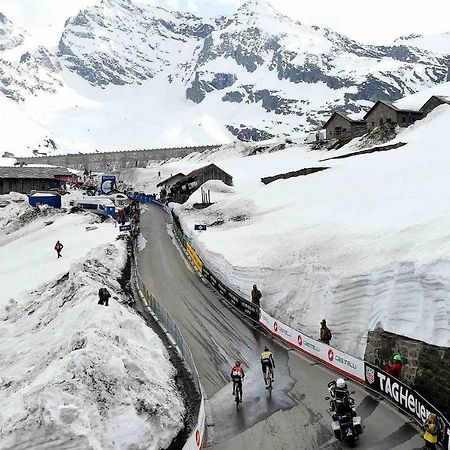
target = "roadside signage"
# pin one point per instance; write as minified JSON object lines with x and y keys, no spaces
{"x":199,"y":227}
{"x":330,"y":356}
{"x":404,"y":397}
{"x":127,"y":227}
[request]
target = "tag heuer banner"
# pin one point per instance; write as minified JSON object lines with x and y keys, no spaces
{"x":405,"y":398}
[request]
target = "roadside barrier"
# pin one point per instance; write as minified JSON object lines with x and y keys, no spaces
{"x":196,"y":439}
{"x":399,"y":394}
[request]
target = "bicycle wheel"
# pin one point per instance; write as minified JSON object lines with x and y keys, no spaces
{"x":236,"y":399}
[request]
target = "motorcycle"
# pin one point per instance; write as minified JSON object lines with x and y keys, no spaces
{"x":346,"y":423}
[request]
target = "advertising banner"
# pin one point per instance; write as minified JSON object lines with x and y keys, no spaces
{"x":107,"y":184}
{"x":196,"y":440}
{"x":404,"y":397}
{"x":330,"y":356}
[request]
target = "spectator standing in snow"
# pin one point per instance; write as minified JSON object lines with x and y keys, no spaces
{"x":58,"y":248}
{"x":256,"y":296}
{"x":103,"y":296}
{"x":325,"y":332}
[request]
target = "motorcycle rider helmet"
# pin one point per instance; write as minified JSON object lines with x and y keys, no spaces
{"x":340,"y":392}
{"x":397,"y":357}
{"x":238,"y":363}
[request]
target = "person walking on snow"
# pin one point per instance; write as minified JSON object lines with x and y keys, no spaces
{"x":325,"y":332}
{"x":256,"y":296}
{"x":103,"y":295}
{"x":58,"y":248}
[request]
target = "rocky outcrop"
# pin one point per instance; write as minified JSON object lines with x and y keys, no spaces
{"x":249,"y":134}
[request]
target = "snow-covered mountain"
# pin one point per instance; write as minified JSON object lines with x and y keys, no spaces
{"x":127,"y":74}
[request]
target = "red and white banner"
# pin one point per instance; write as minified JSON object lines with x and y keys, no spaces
{"x":330,"y":356}
{"x":196,"y":439}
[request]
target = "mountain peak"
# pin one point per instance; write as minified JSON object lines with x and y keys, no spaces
{"x":251,"y":7}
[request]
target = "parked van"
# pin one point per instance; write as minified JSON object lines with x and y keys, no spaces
{"x":98,"y":205}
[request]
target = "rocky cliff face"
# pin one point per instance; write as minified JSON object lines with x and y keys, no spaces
{"x":10,"y":35}
{"x":257,"y":72}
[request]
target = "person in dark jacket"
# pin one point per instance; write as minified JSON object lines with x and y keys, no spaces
{"x":103,"y":295}
{"x":395,"y":369}
{"x":325,"y":332}
{"x":256,"y":296}
{"x":58,"y":248}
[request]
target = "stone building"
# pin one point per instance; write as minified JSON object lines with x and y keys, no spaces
{"x":26,"y":179}
{"x":342,"y":126}
{"x":434,"y":102}
{"x":386,"y":113}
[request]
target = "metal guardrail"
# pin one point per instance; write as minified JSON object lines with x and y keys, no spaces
{"x":171,"y":327}
{"x":225,"y":290}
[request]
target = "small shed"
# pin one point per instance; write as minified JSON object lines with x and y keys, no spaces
{"x":343,"y":126}
{"x":386,"y":113}
{"x":434,"y":102}
{"x":45,"y":198}
{"x":26,"y":179}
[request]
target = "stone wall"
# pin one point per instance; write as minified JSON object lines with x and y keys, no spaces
{"x":107,"y":161}
{"x":426,"y":367}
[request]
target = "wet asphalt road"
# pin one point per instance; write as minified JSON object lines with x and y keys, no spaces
{"x":296,"y":415}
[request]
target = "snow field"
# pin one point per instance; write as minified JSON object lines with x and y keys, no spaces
{"x":364,"y":244}
{"x":73,"y":372}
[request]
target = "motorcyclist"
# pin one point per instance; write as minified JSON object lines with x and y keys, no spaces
{"x":237,"y":375}
{"x":341,"y":402}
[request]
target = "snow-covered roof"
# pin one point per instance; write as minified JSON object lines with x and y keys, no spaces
{"x":390,"y":105}
{"x":169,"y":179}
{"x":195,"y":172}
{"x":33,"y":172}
{"x":356,"y":117}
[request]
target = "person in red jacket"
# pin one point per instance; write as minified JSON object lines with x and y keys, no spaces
{"x":395,"y":369}
{"x":58,"y":248}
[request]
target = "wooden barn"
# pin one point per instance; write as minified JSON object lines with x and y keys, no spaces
{"x":192,"y":181}
{"x":27,"y":179}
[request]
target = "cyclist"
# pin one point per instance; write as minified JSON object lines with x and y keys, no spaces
{"x":237,"y":375}
{"x":267,"y":362}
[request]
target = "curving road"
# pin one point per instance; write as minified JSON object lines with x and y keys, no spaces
{"x":296,"y":416}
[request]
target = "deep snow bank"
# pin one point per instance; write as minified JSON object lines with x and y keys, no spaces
{"x":75,"y":374}
{"x":364,"y":244}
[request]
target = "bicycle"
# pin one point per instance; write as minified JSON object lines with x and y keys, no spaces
{"x":238,"y":395}
{"x":269,"y":386}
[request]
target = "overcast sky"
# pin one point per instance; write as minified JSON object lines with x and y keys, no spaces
{"x":376,"y":22}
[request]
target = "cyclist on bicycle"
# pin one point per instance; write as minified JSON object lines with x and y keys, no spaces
{"x":237,"y":375}
{"x":267,"y":362}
